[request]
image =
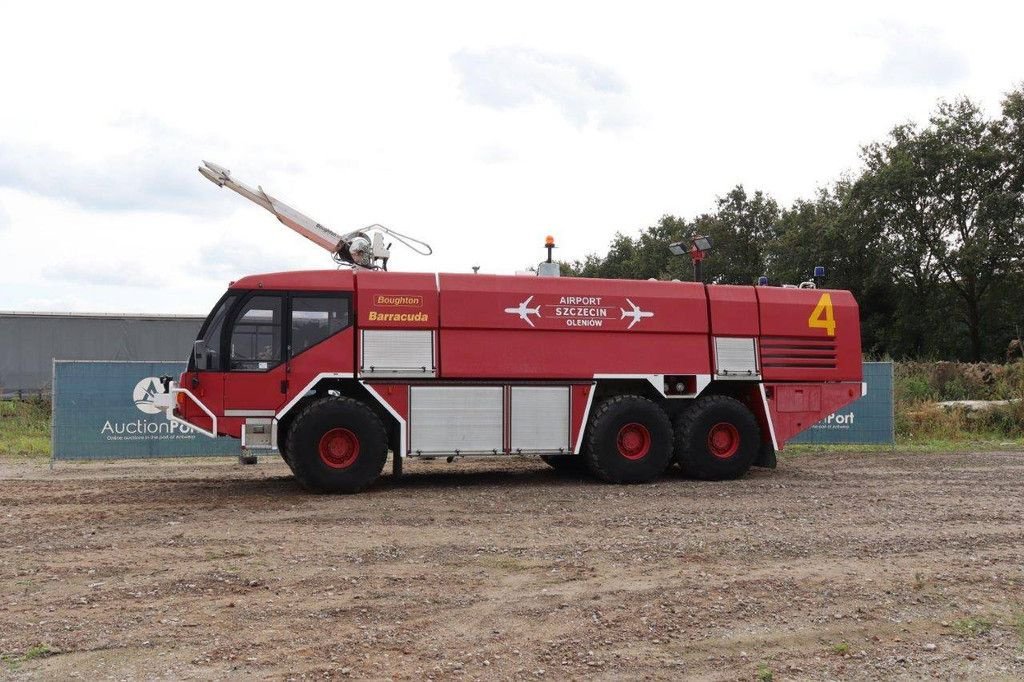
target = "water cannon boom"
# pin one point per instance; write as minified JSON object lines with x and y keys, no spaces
{"x":363,"y":248}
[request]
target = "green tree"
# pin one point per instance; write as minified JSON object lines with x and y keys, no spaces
{"x":929,"y":236}
{"x":642,"y":257}
{"x":944,"y":194}
{"x":742,"y":228}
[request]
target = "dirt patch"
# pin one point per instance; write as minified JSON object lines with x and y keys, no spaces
{"x":842,"y":565}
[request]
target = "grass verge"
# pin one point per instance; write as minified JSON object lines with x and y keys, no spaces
{"x":25,"y":429}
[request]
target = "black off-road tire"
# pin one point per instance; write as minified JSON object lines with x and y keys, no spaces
{"x":568,"y":464}
{"x":628,"y":440}
{"x":716,"y":439}
{"x":337,"y":445}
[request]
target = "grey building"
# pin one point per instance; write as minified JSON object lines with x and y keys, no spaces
{"x":30,"y":342}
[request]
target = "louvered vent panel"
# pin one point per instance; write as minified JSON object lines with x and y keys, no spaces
{"x":796,"y":352}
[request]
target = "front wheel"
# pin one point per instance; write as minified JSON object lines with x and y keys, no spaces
{"x":569,"y":464}
{"x":282,"y":448}
{"x":716,"y":438}
{"x":629,"y":440}
{"x":337,"y":445}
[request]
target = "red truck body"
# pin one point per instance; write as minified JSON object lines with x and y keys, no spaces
{"x":466,"y":364}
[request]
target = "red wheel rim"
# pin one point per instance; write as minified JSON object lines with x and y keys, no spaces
{"x":633,"y":441}
{"x":723,"y":440}
{"x":339,"y":448}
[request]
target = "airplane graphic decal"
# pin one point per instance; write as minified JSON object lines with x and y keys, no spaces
{"x":579,"y":312}
{"x":635,"y":313}
{"x":523,"y":312}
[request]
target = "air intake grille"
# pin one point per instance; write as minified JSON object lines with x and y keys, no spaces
{"x":794,"y":352}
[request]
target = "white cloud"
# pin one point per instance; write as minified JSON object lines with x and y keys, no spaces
{"x":64,"y":303}
{"x":149,"y":167}
{"x":229,"y":259}
{"x":916,"y":57}
{"x":495,"y":153}
{"x":512,"y":77}
{"x":896,"y":55}
{"x":106,"y":272}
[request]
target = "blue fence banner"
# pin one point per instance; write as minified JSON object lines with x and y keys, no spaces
{"x":104,"y":410}
{"x":867,"y":421}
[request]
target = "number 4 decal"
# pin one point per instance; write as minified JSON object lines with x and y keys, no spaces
{"x":822,"y":317}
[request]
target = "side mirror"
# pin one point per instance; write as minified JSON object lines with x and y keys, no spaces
{"x":199,"y":351}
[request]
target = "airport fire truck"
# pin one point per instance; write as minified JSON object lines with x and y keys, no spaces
{"x":336,"y":368}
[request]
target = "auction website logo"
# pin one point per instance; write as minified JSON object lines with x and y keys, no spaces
{"x":144,"y":429}
{"x":143,"y":395}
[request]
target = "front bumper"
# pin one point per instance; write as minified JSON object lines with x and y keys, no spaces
{"x":167,"y":401}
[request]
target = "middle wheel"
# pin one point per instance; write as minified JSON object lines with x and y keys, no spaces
{"x":629,"y":440}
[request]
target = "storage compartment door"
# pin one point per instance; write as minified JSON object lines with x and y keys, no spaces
{"x":540,"y":419}
{"x":736,"y":358}
{"x":456,"y":419}
{"x":397,"y":353}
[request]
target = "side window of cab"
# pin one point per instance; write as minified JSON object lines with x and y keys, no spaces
{"x":314,"y":318}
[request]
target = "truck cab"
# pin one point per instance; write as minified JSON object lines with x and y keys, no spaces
{"x":267,"y":337}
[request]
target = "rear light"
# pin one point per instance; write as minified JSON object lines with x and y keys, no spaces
{"x":180,"y":399}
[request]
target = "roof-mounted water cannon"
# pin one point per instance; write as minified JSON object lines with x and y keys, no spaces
{"x":698,"y":249}
{"x":361,"y":248}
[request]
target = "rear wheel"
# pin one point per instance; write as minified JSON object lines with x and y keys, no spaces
{"x":336,"y":445}
{"x":629,"y":440}
{"x":717,"y":438}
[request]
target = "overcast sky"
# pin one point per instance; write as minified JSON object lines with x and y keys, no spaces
{"x":479,"y":127}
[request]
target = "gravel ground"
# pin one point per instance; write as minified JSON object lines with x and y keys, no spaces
{"x":851,"y":565}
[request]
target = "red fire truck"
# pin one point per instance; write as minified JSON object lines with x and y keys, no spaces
{"x":335,"y":368}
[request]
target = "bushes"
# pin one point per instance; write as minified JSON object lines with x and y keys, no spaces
{"x":919,"y":385}
{"x":938,"y":381}
{"x":912,"y":390}
{"x":928,"y":421}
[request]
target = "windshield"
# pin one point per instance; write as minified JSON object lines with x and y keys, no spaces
{"x":206,"y":353}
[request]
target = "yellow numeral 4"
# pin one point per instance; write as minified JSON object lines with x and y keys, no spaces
{"x":822,"y":317}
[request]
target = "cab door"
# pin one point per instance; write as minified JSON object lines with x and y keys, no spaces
{"x":321,"y":339}
{"x":255,"y":380}
{"x":279,"y":343}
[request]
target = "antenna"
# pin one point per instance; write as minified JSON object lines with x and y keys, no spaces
{"x":362,"y":248}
